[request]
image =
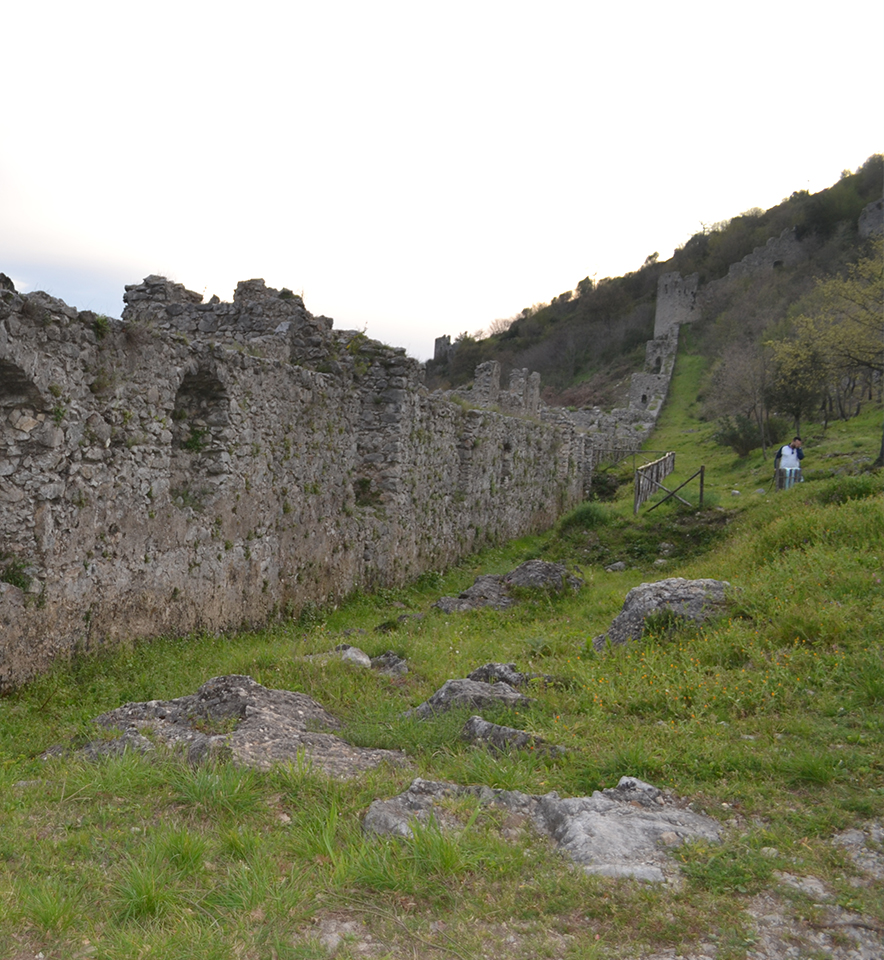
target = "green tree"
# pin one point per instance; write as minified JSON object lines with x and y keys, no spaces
{"x":801,"y":373}
{"x":839,"y":334}
{"x":741,"y":387}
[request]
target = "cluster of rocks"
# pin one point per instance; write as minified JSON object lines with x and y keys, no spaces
{"x":628,"y":831}
{"x":621,"y":832}
{"x":495,"y":590}
{"x":235,"y":718}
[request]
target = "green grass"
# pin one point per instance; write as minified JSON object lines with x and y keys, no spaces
{"x":771,"y":717}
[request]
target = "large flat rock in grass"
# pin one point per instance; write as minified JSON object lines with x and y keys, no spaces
{"x":492,"y":590}
{"x":695,"y":600}
{"x":236,"y":717}
{"x":626,"y":831}
{"x":474,"y":694}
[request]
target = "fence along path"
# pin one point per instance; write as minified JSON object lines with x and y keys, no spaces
{"x":648,"y":479}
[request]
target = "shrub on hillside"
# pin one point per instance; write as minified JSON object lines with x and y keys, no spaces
{"x":743,"y":436}
{"x":842,"y":489}
{"x":739,"y":433}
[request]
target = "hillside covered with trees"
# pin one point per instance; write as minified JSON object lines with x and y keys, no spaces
{"x":804,"y":341}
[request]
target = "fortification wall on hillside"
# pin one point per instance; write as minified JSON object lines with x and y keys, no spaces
{"x":200,"y":466}
{"x":676,"y":303}
{"x":781,"y":251}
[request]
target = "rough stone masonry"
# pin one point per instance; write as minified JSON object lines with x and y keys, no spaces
{"x":207,"y":465}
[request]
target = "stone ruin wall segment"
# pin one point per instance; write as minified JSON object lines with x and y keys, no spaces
{"x":199,"y":466}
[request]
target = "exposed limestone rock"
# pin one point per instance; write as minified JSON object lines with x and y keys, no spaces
{"x":622,"y":832}
{"x":542,"y":575}
{"x":500,"y":738}
{"x":871,"y":220}
{"x":866,"y":848}
{"x":390,"y":663}
{"x":345,"y":652}
{"x":237,"y":718}
{"x":469,"y":693}
{"x":692,"y":599}
{"x":487,"y":591}
{"x":353,"y":655}
{"x":506,"y":673}
{"x":492,"y":590}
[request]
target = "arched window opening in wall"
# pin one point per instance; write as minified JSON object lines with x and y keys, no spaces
{"x":199,"y":419}
{"x":644,"y":399}
{"x":506,"y":469}
{"x":22,"y":410}
{"x":23,"y":422}
{"x":658,"y":365}
{"x":16,"y":388}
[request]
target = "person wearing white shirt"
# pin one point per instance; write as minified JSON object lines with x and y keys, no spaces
{"x":788,"y":458}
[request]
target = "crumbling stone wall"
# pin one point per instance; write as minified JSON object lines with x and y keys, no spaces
{"x":522,"y":398}
{"x":784,"y":250}
{"x":647,"y":391}
{"x":660,"y":355}
{"x":676,"y":303}
{"x":200,"y":466}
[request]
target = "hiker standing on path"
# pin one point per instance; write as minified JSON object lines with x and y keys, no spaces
{"x":788,"y":458}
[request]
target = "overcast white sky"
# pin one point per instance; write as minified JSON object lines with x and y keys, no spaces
{"x":413,"y":168}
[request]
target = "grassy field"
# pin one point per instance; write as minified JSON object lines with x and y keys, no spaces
{"x":771,"y":719}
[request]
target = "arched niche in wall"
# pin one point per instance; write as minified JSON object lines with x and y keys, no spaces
{"x":21,"y":406}
{"x":22,"y":419}
{"x":200,"y":417}
{"x":506,"y":466}
{"x":17,"y":389}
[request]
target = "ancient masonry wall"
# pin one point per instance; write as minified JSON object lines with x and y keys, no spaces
{"x":784,"y":250}
{"x":203,"y":466}
{"x":676,"y":303}
{"x":625,"y":429}
{"x":679,"y":301}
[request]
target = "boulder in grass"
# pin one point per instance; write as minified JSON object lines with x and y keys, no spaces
{"x":695,"y":600}
{"x":626,"y":831}
{"x":503,"y":739}
{"x":469,"y":693}
{"x":492,"y":590}
{"x":542,"y":575}
{"x":236,"y":718}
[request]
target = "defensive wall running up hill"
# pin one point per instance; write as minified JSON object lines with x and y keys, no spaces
{"x":207,"y":465}
{"x":681,"y":300}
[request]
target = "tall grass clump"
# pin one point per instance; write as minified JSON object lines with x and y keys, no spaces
{"x":588,"y":516}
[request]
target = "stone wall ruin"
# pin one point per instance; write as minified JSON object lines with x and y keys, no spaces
{"x":199,"y":466}
{"x":681,"y":300}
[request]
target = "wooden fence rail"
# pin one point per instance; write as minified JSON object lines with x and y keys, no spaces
{"x":648,"y":477}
